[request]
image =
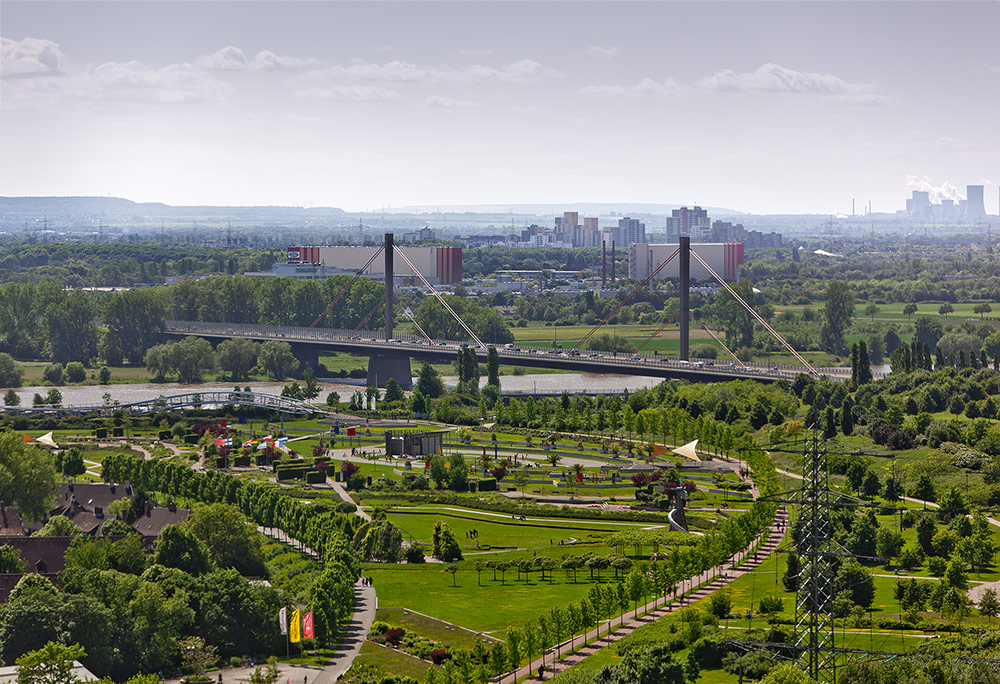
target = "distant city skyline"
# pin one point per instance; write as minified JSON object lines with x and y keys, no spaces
{"x":761,"y":107}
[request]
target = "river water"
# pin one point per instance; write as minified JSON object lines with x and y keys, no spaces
{"x":550,"y":383}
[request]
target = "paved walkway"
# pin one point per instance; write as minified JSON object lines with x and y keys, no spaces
{"x":696,"y":587}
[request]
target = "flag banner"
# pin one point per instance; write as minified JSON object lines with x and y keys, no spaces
{"x":223,"y":423}
{"x":579,"y":477}
{"x":295,"y":630}
{"x":409,"y":314}
{"x":555,"y":483}
{"x":263,"y":445}
{"x":336,"y":429}
{"x":281,"y":441}
{"x":307,"y":625}
{"x":220,"y":442}
{"x":283,"y":620}
{"x":350,"y":432}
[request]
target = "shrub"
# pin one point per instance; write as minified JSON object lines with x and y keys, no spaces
{"x":241,"y":461}
{"x":101,"y":433}
{"x":315,"y":477}
{"x":770,"y":604}
{"x":394,"y":635}
{"x":937,"y":566}
{"x":53,"y":373}
{"x":75,"y":372}
{"x":415,"y":554}
{"x":191,"y":439}
{"x":488,"y":484}
{"x":439,"y":655}
{"x":720,"y":603}
{"x":379,"y":627}
{"x":163,"y":435}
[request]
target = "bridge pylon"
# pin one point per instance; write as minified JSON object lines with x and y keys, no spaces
{"x":383,"y":366}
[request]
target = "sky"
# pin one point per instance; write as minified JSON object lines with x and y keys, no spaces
{"x":789,"y":107}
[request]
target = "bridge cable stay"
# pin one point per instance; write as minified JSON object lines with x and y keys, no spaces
{"x":440,"y":298}
{"x":756,"y":315}
{"x":346,"y":288}
{"x":625,"y":301}
{"x":409,"y":314}
{"x":368,"y":315}
{"x":659,"y":330}
{"x":716,"y":338}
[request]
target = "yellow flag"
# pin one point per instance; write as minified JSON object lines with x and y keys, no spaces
{"x":295,"y":629}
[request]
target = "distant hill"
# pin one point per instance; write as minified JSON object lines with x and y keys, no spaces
{"x":585,"y":208}
{"x":86,"y":211}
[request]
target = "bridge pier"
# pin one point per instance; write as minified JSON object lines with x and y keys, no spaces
{"x":381,"y":367}
{"x":308,"y":357}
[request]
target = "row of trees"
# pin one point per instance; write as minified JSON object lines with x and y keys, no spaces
{"x":191,"y":358}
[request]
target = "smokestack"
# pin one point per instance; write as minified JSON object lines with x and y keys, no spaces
{"x":612,"y":262}
{"x":604,"y":263}
{"x":853,"y":213}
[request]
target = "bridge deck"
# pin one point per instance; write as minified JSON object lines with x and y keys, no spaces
{"x":367,"y":343}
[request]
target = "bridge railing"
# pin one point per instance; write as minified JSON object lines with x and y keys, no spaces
{"x":280,"y":332}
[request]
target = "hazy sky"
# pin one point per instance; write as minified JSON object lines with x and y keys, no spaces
{"x":769,"y":108}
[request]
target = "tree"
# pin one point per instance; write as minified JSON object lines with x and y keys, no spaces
{"x":51,"y":664}
{"x":104,"y":375}
{"x":838,"y":312}
{"x":232,"y":542}
{"x":10,"y":374}
{"x":946,"y":309}
{"x":196,"y":655}
{"x":277,"y":360}
{"x":238,"y":357}
{"x":889,"y":543}
{"x":157,"y":360}
{"x":27,"y":476}
{"x":72,"y":463}
{"x":53,"y":373}
{"x":393,"y":392}
{"x":983,"y":308}
{"x":909,"y":310}
{"x":178,"y":548}
{"x":786,"y":673}
{"x":10,"y":398}
{"x":429,"y":382}
{"x":830,"y":429}
{"x":191,"y":358}
{"x":847,"y":416}
{"x":134,"y":321}
{"x":737,"y":322}
{"x":924,"y":489}
{"x":493,"y":367}
{"x":11,"y":561}
{"x":75,"y":372}
{"x":988,"y":604}
{"x":854,"y":578}
{"x":927,"y":331}
{"x":59,"y":526}
{"x":872,"y":310}
{"x":952,"y":504}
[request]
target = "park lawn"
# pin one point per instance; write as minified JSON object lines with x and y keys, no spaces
{"x":491,"y":532}
{"x":391,"y":661}
{"x":432,"y":629}
{"x":491,"y":606}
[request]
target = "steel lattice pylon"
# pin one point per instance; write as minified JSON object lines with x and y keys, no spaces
{"x":813,"y":624}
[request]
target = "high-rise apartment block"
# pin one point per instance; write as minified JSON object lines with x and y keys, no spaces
{"x":691,"y":222}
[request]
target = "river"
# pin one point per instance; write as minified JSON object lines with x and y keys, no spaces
{"x":547,"y":383}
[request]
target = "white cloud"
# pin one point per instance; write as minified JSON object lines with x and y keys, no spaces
{"x":646,"y":86}
{"x":173,"y":83}
{"x":776,"y":78}
{"x":864,"y":100}
{"x":349,"y":93}
{"x":439,"y":102}
{"x":231,"y":58}
{"x":30,"y":57}
{"x":398,"y":71}
{"x":609,"y":52}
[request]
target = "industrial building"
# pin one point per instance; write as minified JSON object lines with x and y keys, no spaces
{"x":725,"y":258}
{"x":440,"y":265}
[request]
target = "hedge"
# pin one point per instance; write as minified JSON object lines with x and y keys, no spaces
{"x":488,"y":484}
{"x":315,"y":477}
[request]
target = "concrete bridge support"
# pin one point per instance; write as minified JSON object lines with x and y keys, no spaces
{"x":308,"y":357}
{"x":381,"y":367}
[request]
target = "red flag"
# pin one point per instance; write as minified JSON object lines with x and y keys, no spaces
{"x":224,"y":422}
{"x":579,"y":477}
{"x":350,"y":432}
{"x":307,"y":625}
